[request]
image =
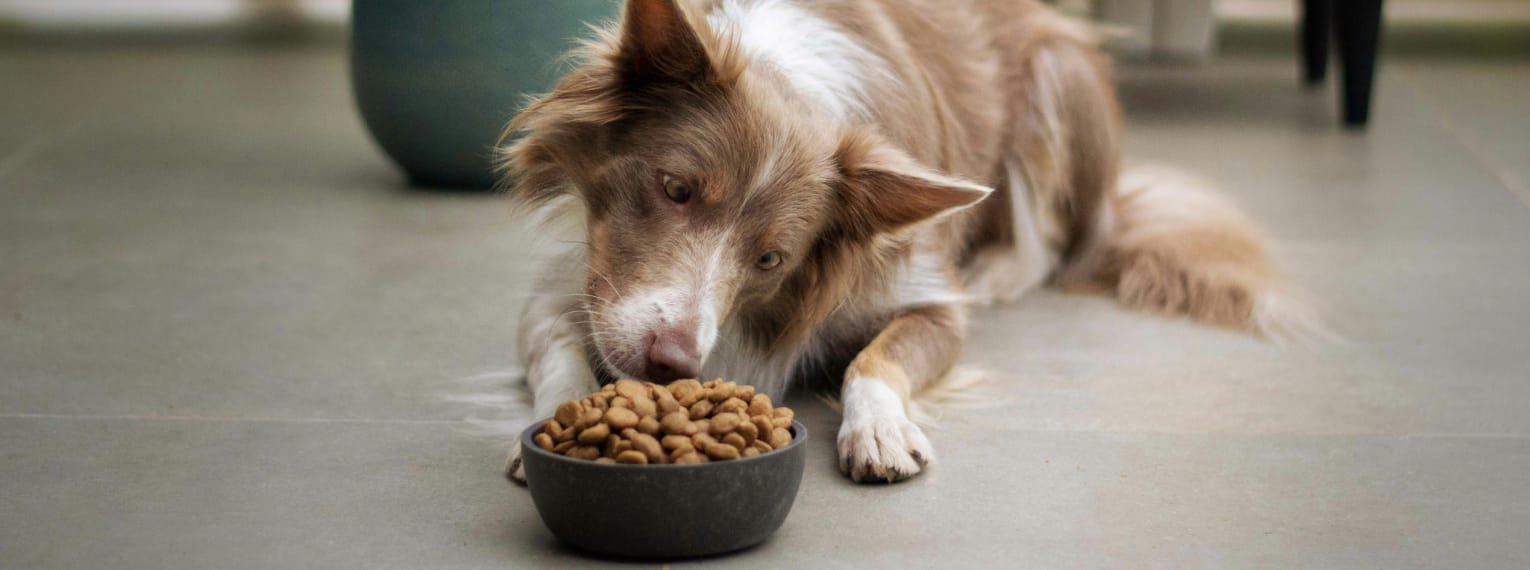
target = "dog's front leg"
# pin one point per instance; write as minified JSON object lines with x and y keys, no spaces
{"x":877,"y":440}
{"x":557,"y":367}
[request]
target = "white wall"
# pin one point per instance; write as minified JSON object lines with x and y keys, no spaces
{"x":131,"y":13}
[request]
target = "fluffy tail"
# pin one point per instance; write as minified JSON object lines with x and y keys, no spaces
{"x":1169,"y":244}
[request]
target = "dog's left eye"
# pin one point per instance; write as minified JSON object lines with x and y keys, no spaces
{"x":676,"y":190}
{"x":768,"y":261}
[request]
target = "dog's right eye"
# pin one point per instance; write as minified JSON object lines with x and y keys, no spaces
{"x":676,"y":190}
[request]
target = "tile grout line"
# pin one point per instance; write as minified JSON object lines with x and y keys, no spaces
{"x":1506,"y":177}
{"x":228,"y":419}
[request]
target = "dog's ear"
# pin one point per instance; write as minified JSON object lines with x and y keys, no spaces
{"x":882,"y":189}
{"x":657,"y":41}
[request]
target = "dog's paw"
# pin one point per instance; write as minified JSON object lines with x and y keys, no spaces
{"x":515,"y":471}
{"x":877,"y":441}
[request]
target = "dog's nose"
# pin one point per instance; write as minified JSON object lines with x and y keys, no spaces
{"x":672,"y":355}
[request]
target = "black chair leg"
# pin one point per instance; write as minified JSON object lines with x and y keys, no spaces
{"x":1359,"y":34}
{"x":1317,"y":28}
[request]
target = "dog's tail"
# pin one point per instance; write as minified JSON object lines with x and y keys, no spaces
{"x":1169,"y":244}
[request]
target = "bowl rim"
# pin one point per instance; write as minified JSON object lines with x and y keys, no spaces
{"x":799,"y":435}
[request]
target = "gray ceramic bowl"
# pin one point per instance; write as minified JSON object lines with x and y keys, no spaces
{"x":664,"y":511}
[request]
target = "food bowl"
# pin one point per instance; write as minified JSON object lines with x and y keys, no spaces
{"x":664,"y":511}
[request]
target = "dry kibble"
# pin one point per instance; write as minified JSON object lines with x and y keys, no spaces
{"x":721,"y":451}
{"x":648,"y":445}
{"x":632,"y":389}
{"x":723,"y":423}
{"x":731,"y":406}
{"x":691,"y":457}
{"x":762,"y":425}
{"x":648,"y":425}
{"x":673,"y":442}
{"x":594,"y":435}
{"x":645,"y":407}
{"x":568,"y":413}
{"x":588,"y":418}
{"x":759,"y":405}
{"x":744,"y":392}
{"x":779,"y":438}
{"x":749,"y":431}
{"x":632,"y":456}
{"x":685,"y":422}
{"x":675,"y":423}
{"x":621,"y":418}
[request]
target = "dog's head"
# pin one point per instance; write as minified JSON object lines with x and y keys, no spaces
{"x":710,"y":190}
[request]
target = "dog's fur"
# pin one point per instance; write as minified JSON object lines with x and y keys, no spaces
{"x":905,"y":158}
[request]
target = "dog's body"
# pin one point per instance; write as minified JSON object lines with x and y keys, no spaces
{"x":773,"y":189}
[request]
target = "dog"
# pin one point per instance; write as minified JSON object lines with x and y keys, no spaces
{"x":771,"y":190}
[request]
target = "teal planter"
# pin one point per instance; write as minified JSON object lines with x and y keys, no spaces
{"x":437,"y":80}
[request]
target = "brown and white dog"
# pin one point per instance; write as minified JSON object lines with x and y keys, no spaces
{"x":772,"y":189}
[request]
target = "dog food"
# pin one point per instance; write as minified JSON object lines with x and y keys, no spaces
{"x":686,"y":422}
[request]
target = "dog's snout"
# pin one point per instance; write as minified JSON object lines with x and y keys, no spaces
{"x":672,"y":355}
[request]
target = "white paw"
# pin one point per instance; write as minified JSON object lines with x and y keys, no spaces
{"x":514,"y":470}
{"x":877,"y":442}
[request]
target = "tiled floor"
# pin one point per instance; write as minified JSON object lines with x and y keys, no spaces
{"x":225,"y":329}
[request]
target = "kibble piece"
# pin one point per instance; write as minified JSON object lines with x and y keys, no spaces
{"x":782,"y":413}
{"x":749,"y":452}
{"x":543,"y":441}
{"x":749,"y":432}
{"x":762,"y":425}
{"x":604,"y":460}
{"x":702,"y":441}
{"x":588,"y":418}
{"x":648,"y":425}
{"x":632,"y":456}
{"x":673,"y":442}
{"x":675,"y":423}
{"x":779,"y":438}
{"x":702,"y":425}
{"x":621,"y":402}
{"x":585,"y":452}
{"x":701,"y":409}
{"x":731,"y":406}
{"x":724,"y":423}
{"x":648,"y":445}
{"x":781,"y":423}
{"x":594,"y":435}
{"x":552,"y":428}
{"x":563,"y":447}
{"x":722,"y":451}
{"x":568,"y":413}
{"x":686,"y":392}
{"x":759,"y":405}
{"x":599,"y":401}
{"x":632,"y":389}
{"x":735,"y":440}
{"x":668,"y":405}
{"x":690,"y":458}
{"x":744,"y":392}
{"x":762,"y":446}
{"x":621,"y":418}
{"x":645,"y":407}
{"x":719,"y":393}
